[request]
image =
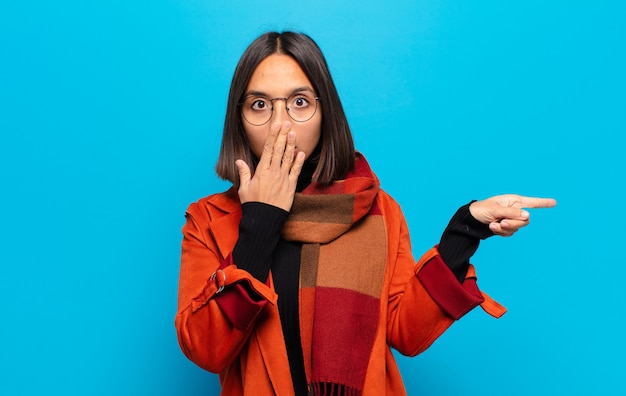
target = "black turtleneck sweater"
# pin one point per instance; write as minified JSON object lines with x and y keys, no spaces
{"x":260,"y":248}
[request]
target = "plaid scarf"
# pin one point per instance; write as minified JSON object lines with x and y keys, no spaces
{"x":341,"y":278}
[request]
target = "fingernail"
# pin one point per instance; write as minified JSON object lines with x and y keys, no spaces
{"x":292,"y":135}
{"x":287,"y":124}
{"x":524,"y":214}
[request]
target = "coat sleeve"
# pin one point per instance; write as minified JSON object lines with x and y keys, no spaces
{"x":425,"y":298}
{"x":218,"y":303}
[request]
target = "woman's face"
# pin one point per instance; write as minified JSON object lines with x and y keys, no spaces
{"x":280,"y":76}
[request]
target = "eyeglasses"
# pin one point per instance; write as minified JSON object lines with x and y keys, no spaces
{"x":257,"y":110}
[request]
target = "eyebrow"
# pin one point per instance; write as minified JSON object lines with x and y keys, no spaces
{"x":265,"y":95}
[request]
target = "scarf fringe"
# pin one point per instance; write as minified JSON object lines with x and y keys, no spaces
{"x":333,"y":389}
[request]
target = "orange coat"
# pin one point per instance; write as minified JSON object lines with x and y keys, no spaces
{"x":253,"y":360}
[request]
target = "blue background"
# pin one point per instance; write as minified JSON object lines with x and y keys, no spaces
{"x":110,"y":119}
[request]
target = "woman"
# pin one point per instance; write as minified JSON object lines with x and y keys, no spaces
{"x":300,"y":278}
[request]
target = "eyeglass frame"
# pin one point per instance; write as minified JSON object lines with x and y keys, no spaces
{"x":240,"y":104}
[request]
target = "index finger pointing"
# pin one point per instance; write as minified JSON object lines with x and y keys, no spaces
{"x":534,"y":202}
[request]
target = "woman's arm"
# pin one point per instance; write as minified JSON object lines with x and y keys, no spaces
{"x":218,"y":302}
{"x":425,"y":299}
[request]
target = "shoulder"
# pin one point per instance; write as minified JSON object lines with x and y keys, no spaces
{"x":393,"y":216}
{"x":215,"y":205}
{"x":387,"y":203}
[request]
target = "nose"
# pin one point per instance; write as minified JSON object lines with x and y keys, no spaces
{"x":279,"y":112}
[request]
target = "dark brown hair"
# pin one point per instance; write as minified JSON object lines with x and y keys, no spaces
{"x":336,"y":147}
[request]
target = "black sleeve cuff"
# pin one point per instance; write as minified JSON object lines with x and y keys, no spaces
{"x":259,"y":233}
{"x":461,"y":239}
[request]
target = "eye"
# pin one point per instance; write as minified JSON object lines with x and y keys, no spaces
{"x":258,"y":104}
{"x":300,"y":102}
